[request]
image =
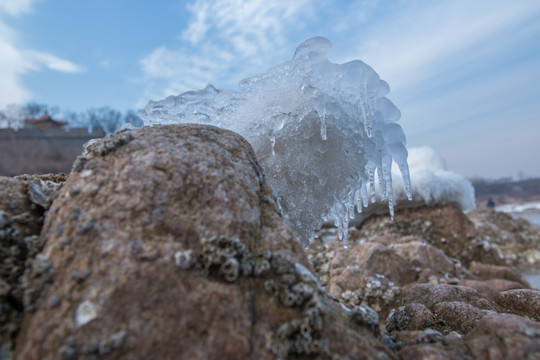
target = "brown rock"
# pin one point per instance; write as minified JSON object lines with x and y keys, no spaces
{"x":516,"y":239}
{"x":488,"y":272}
{"x":431,"y":344}
{"x":492,"y":287}
{"x":443,"y":226}
{"x":374,"y":258}
{"x":460,"y":316}
{"x":435,"y":351}
{"x":368,"y":274}
{"x":504,"y":337}
{"x":432,"y":294}
{"x":410,"y":317}
{"x":355,"y":286}
{"x":524,"y":302}
{"x":425,"y":256}
{"x":166,"y":243}
{"x":23,"y":201}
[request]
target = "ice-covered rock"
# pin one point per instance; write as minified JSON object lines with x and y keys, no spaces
{"x":320,"y":129}
{"x":432,"y":182}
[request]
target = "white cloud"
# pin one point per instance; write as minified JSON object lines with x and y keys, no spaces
{"x":16,"y":60}
{"x":225,"y":41}
{"x":16,"y":7}
{"x":37,"y":60}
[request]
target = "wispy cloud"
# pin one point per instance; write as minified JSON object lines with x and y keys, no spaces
{"x":16,"y":60}
{"x":416,"y":42}
{"x":224,"y":41}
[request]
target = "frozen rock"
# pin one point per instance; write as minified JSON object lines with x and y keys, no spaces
{"x":188,"y":257}
{"x":432,"y":182}
{"x":321,"y":130}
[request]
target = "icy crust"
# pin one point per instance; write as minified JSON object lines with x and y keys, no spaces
{"x":320,"y":129}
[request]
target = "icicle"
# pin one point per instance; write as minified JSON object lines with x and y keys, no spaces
{"x":273,"y":142}
{"x":350,"y":205}
{"x":323,"y":124}
{"x":382,"y":183}
{"x":345,"y":231}
{"x":404,"y":168}
{"x":365,"y":108}
{"x":372,"y":186}
{"x":358,"y":200}
{"x":363,"y":193}
{"x":391,"y":209}
{"x":338,"y":222}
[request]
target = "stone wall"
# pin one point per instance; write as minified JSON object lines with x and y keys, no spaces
{"x":32,"y":151}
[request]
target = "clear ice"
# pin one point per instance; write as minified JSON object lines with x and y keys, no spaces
{"x":323,"y":132}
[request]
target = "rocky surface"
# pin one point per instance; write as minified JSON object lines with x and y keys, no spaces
{"x":166,"y":242}
{"x":23,"y":201}
{"x":449,"y":284}
{"x":516,"y":239}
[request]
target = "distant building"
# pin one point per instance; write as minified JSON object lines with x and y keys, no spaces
{"x":42,"y":146}
{"x":45,"y":122}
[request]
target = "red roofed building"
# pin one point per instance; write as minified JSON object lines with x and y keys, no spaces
{"x":45,"y":122}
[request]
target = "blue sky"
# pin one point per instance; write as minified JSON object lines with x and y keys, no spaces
{"x":464,"y":73}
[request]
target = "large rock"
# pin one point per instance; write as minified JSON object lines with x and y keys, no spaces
{"x":166,"y":243}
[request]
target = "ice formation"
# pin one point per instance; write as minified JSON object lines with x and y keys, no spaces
{"x":321,"y":130}
{"x":432,"y":184}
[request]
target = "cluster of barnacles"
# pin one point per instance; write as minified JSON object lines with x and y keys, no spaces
{"x":297,"y":286}
{"x":297,"y":336}
{"x":290,"y":283}
{"x":229,"y":257}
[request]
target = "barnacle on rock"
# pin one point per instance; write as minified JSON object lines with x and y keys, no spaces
{"x":261,"y":267}
{"x":185,"y":259}
{"x":230,"y":270}
{"x":103,"y":146}
{"x":288,"y":298}
{"x":247,"y":264}
{"x":86,"y":312}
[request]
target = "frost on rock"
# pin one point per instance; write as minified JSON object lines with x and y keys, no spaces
{"x":320,"y":129}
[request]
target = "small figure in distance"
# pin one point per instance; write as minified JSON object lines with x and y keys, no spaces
{"x":491,"y":204}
